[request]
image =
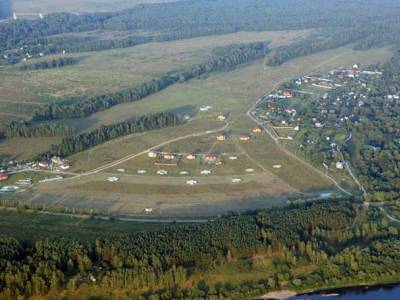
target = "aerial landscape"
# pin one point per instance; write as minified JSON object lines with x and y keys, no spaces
{"x":199,"y":149}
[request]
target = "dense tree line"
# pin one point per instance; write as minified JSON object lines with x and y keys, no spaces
{"x":84,"y":141}
{"x":49,"y":64}
{"x":22,"y":129}
{"x":324,"y":40}
{"x":72,"y":44}
{"x":222,"y":59}
{"x":204,"y":17}
{"x":324,"y":237}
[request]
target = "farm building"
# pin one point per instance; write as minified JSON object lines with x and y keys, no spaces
{"x":3,"y":177}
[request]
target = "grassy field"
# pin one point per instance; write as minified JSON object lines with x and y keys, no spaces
{"x":232,"y":93}
{"x":52,"y":6}
{"x":33,"y":226}
{"x":112,"y":70}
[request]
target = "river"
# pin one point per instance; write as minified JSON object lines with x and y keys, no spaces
{"x":387,"y":292}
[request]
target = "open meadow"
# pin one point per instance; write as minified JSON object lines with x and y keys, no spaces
{"x":112,"y":70}
{"x":259,"y":182}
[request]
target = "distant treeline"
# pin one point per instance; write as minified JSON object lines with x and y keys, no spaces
{"x":199,"y":18}
{"x":22,"y":129}
{"x":222,"y":59}
{"x":74,"y":144}
{"x":49,"y":64}
{"x":327,"y":39}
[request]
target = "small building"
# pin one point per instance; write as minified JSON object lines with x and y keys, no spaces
{"x":287,"y":94}
{"x":56,"y":160}
{"x":113,"y":179}
{"x":192,"y":182}
{"x":190,"y":156}
{"x":221,"y":117}
{"x":148,"y":210}
{"x":339,"y":165}
{"x":256,"y":129}
{"x":169,"y":156}
{"x":183,"y":173}
{"x":162,"y":172}
{"x":221,"y":137}
{"x":152,"y":154}
{"x":233,"y":157}
{"x":141,"y":172}
{"x":205,"y":172}
{"x":205,"y":108}
{"x":236,"y":180}
{"x":210,"y":158}
{"x":3,"y":176}
{"x":244,"y":137}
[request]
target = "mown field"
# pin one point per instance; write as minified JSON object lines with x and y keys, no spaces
{"x":232,"y":93}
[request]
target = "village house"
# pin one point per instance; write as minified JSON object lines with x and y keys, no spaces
{"x":56,"y":160}
{"x":287,"y":94}
{"x":210,"y":158}
{"x":169,"y":156}
{"x":221,"y":137}
{"x":256,"y":130}
{"x":244,"y":137}
{"x":339,"y":165}
{"x":3,"y":176}
{"x":152,"y":154}
{"x":221,"y":117}
{"x":190,"y":156}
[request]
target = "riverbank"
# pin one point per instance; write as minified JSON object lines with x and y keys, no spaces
{"x":331,"y":291}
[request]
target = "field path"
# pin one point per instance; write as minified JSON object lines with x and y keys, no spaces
{"x":131,"y":156}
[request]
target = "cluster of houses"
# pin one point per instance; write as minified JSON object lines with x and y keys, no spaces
{"x":318,"y":108}
{"x":55,"y":163}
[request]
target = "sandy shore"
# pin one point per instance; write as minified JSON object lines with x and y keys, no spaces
{"x":279,"y":295}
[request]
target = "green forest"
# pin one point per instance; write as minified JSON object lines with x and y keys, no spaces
{"x":333,"y":243}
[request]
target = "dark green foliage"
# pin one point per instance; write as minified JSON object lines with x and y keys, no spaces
{"x":157,"y":265}
{"x":84,"y":141}
{"x":23,"y":129}
{"x":376,"y":19}
{"x":224,"y":58}
{"x":49,"y":64}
